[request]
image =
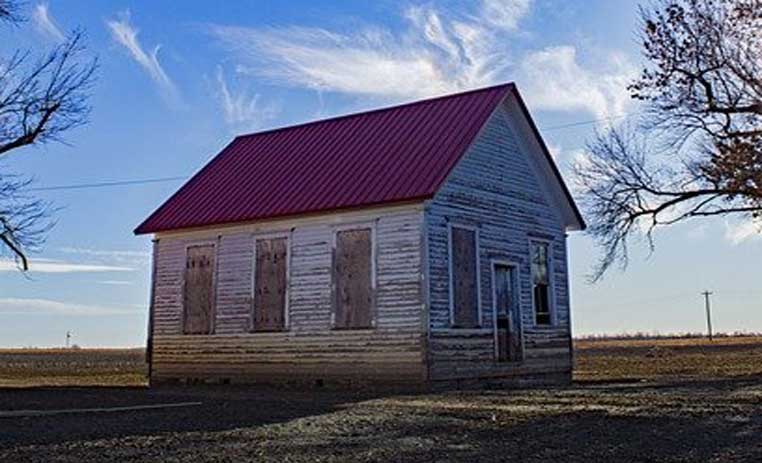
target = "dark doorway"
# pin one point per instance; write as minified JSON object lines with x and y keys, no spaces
{"x":508,"y":313}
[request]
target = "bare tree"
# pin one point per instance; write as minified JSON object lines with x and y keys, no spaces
{"x":697,"y":149}
{"x":24,"y":220}
{"x":40,"y":99}
{"x":9,"y":11}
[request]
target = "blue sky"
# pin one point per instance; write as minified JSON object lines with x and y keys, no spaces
{"x":176,"y":83}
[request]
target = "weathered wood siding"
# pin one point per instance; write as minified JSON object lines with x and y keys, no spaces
{"x":495,"y":189}
{"x":309,"y":348}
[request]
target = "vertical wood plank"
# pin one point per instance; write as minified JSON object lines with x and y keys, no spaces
{"x":502,"y":304}
{"x":352,"y":273}
{"x":270,"y":280}
{"x":464,"y":278}
{"x":198,"y":295}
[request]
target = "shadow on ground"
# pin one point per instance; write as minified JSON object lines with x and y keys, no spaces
{"x":222,"y":408}
{"x":667,"y":422}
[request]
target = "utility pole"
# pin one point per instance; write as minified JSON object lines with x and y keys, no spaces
{"x":708,"y":306}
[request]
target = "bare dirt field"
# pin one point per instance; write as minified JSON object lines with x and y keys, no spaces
{"x":657,"y":401}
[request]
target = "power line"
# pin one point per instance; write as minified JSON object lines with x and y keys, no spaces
{"x":107,"y":184}
{"x":79,"y":186}
{"x":579,"y":123}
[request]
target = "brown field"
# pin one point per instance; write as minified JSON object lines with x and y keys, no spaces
{"x":72,"y":367}
{"x":680,"y":359}
{"x":664,"y":400}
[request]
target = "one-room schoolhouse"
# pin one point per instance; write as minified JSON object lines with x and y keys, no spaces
{"x":422,"y":244}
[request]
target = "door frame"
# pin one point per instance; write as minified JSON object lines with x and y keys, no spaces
{"x":517,"y":291}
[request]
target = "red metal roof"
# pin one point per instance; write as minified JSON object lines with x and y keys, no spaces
{"x":382,"y":156}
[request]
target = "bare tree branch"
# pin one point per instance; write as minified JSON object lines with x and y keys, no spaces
{"x":24,"y":220}
{"x":697,"y":151}
{"x":40,"y":100}
{"x":9,"y":12}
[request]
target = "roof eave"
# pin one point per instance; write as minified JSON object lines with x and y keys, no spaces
{"x":580,"y":224}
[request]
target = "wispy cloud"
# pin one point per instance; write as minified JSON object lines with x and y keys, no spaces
{"x":126,"y":35}
{"x":437,"y":52}
{"x":242,"y":111}
{"x":741,"y":231}
{"x":505,"y":14}
{"x":554,"y":79}
{"x":11,"y":305}
{"x":120,"y":255}
{"x":116,"y":282}
{"x":56,"y":266}
{"x":44,"y":22}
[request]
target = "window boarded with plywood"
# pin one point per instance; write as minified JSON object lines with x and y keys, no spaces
{"x":353,"y":273}
{"x":465,"y":297}
{"x":270,"y":284}
{"x":198,"y":297}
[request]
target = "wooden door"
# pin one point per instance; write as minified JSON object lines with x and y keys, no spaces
{"x":198,"y":297}
{"x":508,"y":317}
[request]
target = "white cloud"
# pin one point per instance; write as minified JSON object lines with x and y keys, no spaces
{"x":553,"y":79}
{"x":12,"y":305}
{"x":55,"y":266}
{"x":741,"y":231}
{"x":127,"y":35}
{"x":555,"y":150}
{"x":505,"y":13}
{"x":243,"y":112}
{"x":567,"y":158}
{"x":436,"y":53}
{"x":107,"y":253}
{"x":45,"y":23}
{"x":115,"y":282}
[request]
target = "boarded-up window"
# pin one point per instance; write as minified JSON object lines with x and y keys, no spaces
{"x":352,"y":275}
{"x":465,"y":289}
{"x":270,"y":284}
{"x":541,"y":283}
{"x":198,"y":298}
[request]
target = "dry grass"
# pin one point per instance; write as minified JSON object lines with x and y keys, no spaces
{"x":72,"y":367}
{"x":667,"y":359}
{"x":609,"y":360}
{"x":692,"y":402}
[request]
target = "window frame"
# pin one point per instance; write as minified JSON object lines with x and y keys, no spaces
{"x":213,"y":316}
{"x":551,"y":285}
{"x":517,"y":289}
{"x":451,"y":279}
{"x":335,"y":230}
{"x":286,"y":309}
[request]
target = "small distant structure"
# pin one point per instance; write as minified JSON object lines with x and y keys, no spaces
{"x":68,"y":338}
{"x":421,"y":244}
{"x":708,"y":308}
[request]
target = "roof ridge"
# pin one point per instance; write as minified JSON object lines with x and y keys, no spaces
{"x":374,"y":110}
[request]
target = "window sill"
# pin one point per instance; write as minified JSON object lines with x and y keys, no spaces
{"x":545,"y":325}
{"x":353,"y":328}
{"x":461,"y":331}
{"x":510,"y":363}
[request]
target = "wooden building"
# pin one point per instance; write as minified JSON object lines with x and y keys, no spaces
{"x":421,"y":244}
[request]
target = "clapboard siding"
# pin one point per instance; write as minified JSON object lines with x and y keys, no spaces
{"x":495,"y":189}
{"x":309,"y":348}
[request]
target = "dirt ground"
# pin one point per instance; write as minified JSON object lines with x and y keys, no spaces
{"x":689,"y":405}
